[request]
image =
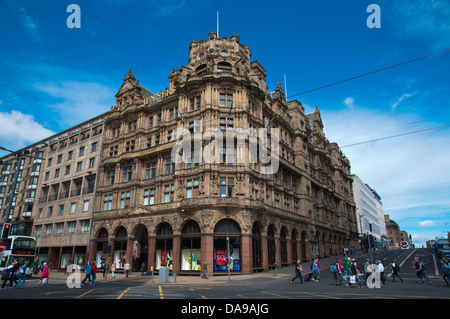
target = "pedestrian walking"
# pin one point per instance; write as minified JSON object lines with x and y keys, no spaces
{"x":354,"y":278}
{"x":395,"y":270}
{"x":105,"y":268}
{"x":68,"y":268}
{"x":87,"y":271}
{"x":44,"y":275}
{"x":348,"y":264}
{"x":316,"y":270}
{"x":335,"y":272}
{"x":367,"y":270}
{"x":22,"y":274}
{"x":127,"y":269}
{"x":8,"y":275}
{"x":143,"y":268}
{"x":340,"y":271}
{"x":421,"y":273}
{"x":445,"y":270}
{"x":205,"y":270}
{"x":381,"y":271}
{"x":94,"y":272}
{"x":113,"y":269}
{"x":298,"y":272}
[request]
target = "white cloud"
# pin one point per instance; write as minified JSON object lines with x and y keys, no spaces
{"x":30,"y":26}
{"x":411,"y":173}
{"x":18,"y":130}
{"x":349,"y":102}
{"x":80,"y":101}
{"x":427,"y":223}
{"x":401,"y":98}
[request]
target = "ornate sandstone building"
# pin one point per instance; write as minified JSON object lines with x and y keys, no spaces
{"x":151,"y":209}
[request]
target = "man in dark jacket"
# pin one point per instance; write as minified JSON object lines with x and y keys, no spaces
{"x":298,"y":272}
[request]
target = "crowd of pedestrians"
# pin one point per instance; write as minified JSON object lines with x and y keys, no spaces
{"x":349,"y":269}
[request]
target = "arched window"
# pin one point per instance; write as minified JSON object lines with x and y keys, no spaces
{"x":223,"y":67}
{"x":227,"y":226}
{"x":191,"y":227}
{"x":164,"y":230}
{"x":200,"y":70}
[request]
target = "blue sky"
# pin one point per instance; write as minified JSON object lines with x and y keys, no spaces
{"x":53,"y":77}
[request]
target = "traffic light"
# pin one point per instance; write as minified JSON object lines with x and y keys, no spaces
{"x":5,"y":230}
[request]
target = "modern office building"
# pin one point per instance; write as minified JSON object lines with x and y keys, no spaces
{"x":370,"y":216}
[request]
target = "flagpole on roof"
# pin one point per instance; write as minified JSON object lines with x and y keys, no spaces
{"x":218,"y":24}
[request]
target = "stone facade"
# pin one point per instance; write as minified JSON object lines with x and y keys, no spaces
{"x":149,"y":207}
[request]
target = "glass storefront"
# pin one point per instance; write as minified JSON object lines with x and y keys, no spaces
{"x":227,"y":243}
{"x":191,"y":247}
{"x":164,"y":246}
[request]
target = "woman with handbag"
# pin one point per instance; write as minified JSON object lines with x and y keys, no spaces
{"x":44,"y":277}
{"x":354,"y":275}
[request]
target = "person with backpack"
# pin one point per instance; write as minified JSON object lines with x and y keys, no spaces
{"x":87,"y":271}
{"x":298,"y":272}
{"x":421,"y":273}
{"x":335,"y":272}
{"x":395,"y":270}
{"x":316,"y":270}
{"x":22,"y":274}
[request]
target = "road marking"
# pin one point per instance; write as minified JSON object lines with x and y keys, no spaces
{"x":203,"y":297}
{"x":82,"y":295}
{"x":274,"y":294}
{"x":407,"y":257}
{"x":123,"y":293}
{"x":161,"y":296}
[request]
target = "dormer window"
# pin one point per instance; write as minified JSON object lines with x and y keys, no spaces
{"x":201,"y":70}
{"x":224,"y":53}
{"x":223,"y":67}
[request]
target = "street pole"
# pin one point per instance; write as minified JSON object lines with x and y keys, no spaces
{"x":370,"y":248}
{"x":228,"y":258}
{"x":276,"y":259}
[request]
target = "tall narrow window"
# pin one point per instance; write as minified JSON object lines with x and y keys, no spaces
{"x":192,"y":188}
{"x":168,"y":193}
{"x":107,"y":202}
{"x":227,"y":187}
{"x":149,"y":196}
{"x":127,"y":174}
{"x":125,"y":199}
